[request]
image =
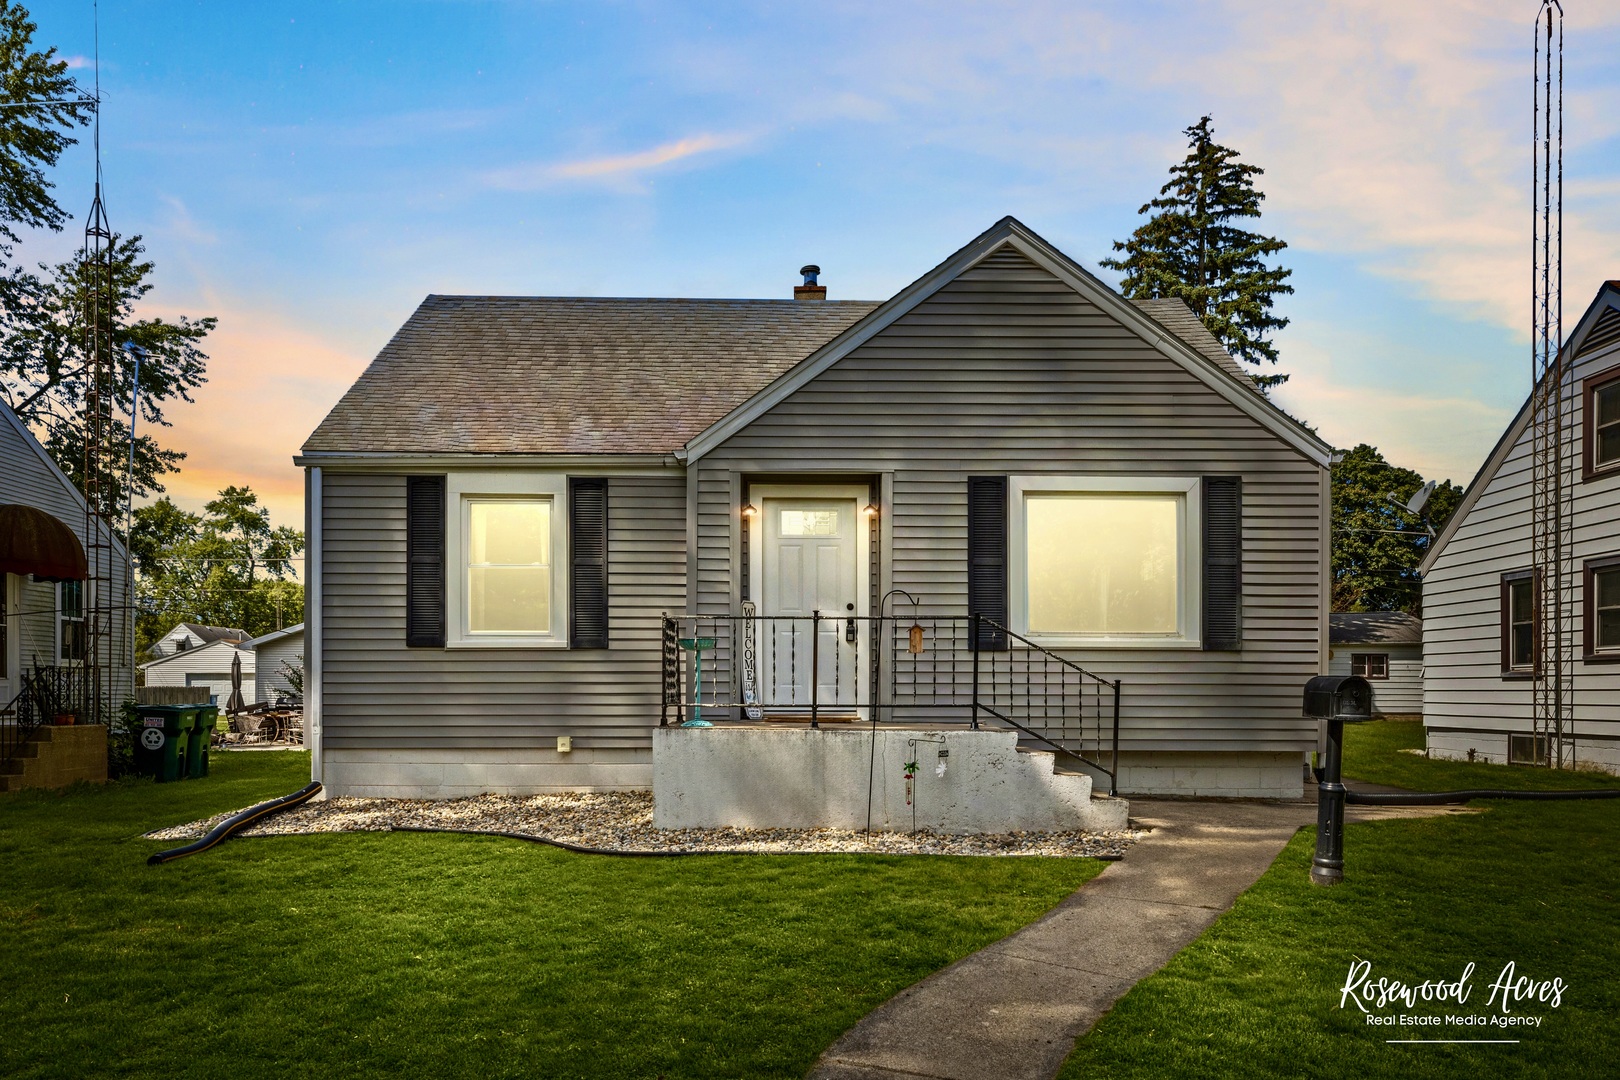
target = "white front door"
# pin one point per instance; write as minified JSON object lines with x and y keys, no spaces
{"x":809,"y":563}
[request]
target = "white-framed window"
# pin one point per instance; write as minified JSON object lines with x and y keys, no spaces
{"x":506,"y":560}
{"x":70,"y":629}
{"x":1105,"y":560}
{"x":1370,"y":665}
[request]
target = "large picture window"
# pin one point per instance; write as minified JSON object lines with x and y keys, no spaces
{"x":1102,"y":560}
{"x":1520,"y":637}
{"x":506,"y":560}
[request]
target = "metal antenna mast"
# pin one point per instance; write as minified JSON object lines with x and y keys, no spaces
{"x":1554,"y":446}
{"x":99,"y":607}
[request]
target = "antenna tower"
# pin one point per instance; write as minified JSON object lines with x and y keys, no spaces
{"x":101,"y":557}
{"x":1554,"y":442}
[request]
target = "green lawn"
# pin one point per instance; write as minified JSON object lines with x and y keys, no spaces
{"x":1531,"y":883}
{"x":408,"y":955}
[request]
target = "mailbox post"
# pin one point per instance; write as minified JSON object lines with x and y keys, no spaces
{"x":1335,"y":700}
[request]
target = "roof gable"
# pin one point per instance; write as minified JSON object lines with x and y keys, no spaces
{"x":1599,"y":327}
{"x":34,"y":446}
{"x":1009,"y":233}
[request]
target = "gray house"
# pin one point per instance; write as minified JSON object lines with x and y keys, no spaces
{"x":1386,"y":649}
{"x":1484,"y":635}
{"x":510,"y":500}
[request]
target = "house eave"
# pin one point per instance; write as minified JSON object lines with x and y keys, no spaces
{"x":394,"y":461}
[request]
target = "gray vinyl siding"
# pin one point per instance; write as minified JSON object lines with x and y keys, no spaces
{"x":1462,"y":606}
{"x":268,"y":677}
{"x":1402,"y":693}
{"x":1006,"y":370}
{"x":27,"y":480}
{"x":378,"y":694}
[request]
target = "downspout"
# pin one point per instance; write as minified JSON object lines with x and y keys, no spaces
{"x":314,"y":668}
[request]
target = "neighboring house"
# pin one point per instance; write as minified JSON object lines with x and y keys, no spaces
{"x":43,"y":618}
{"x":206,"y":665}
{"x":189,"y":635}
{"x":273,"y":654}
{"x":506,"y":502}
{"x":1483,"y":635}
{"x":1386,"y":649}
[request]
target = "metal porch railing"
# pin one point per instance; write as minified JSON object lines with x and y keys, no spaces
{"x":818,"y":668}
{"x":46,"y":693}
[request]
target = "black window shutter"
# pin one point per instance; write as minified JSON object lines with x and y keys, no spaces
{"x":987,"y":556}
{"x":588,"y":570}
{"x":1223,"y":562}
{"x":424,"y":562}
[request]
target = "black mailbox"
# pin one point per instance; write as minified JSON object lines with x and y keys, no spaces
{"x":1338,"y":697}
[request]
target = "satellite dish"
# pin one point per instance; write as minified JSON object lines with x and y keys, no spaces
{"x":1417,"y":502}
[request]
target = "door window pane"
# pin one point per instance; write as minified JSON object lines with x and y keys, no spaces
{"x":1103,"y":564}
{"x":509,"y":566}
{"x":808,"y":523}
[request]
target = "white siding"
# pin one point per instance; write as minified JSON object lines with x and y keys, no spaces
{"x":1399,"y":695}
{"x":269,"y":679}
{"x":208,"y":665}
{"x":1467,"y":704}
{"x":29,"y":481}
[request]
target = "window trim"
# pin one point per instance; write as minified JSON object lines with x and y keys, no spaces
{"x":1189,"y":602}
{"x":1508,"y":580}
{"x":61,"y":618}
{"x":460,"y":489}
{"x":1590,"y":470}
{"x":1589,"y":571}
{"x":1365,"y":673}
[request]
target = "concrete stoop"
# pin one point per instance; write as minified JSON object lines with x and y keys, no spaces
{"x":768,"y":777}
{"x":55,"y":757}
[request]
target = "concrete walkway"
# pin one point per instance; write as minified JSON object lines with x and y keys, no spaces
{"x":1012,"y":1010}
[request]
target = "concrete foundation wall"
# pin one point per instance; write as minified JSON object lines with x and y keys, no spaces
{"x":1215,"y":775}
{"x":456,"y":773}
{"x":1492,"y":746}
{"x":796,"y":778}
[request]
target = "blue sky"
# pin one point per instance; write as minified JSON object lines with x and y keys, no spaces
{"x":308,"y":172}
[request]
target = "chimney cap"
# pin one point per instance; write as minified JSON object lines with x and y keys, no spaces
{"x":810,"y":271}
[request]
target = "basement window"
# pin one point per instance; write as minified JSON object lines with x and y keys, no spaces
{"x":1527,"y":749}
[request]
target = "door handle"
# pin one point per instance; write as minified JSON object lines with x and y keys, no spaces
{"x":850,"y":634}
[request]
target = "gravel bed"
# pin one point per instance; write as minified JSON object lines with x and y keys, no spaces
{"x":622,"y":821}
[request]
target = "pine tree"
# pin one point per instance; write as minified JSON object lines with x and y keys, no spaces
{"x":1191,"y":248}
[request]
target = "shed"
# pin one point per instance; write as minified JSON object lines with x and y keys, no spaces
{"x":1386,"y":649}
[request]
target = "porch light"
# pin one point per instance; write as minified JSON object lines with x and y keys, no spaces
{"x":749,"y":510}
{"x":871,"y":510}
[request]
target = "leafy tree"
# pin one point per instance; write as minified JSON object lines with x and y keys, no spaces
{"x":225,"y":567}
{"x":1377,"y":545}
{"x":32,"y":139}
{"x":45,"y":371}
{"x":1192,"y":247}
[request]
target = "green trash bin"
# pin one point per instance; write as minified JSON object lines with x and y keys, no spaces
{"x":202,"y":731}
{"x":162,"y":739}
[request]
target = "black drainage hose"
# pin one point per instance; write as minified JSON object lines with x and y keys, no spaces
{"x":237,"y":822}
{"x":1447,"y":798}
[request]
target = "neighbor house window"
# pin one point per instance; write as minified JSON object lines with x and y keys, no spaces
{"x":1602,"y":413}
{"x":1104,"y":560}
{"x":70,"y":640}
{"x":1519,"y":624}
{"x":507,"y":545}
{"x":1602,"y":606}
{"x":1370,"y":665}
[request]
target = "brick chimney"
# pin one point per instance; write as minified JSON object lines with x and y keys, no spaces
{"x":809,"y":290}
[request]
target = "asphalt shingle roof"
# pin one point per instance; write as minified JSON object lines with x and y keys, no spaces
{"x":567,"y":375}
{"x":590,"y":375}
{"x":1374,"y":628}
